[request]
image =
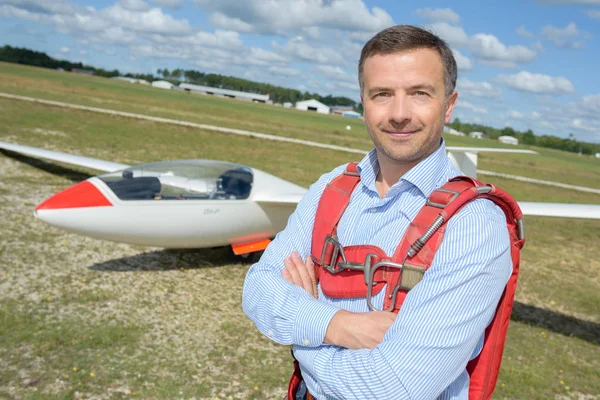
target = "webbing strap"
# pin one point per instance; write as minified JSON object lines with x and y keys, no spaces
{"x":333,"y":203}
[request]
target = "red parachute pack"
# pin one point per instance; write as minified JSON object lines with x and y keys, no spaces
{"x":364,"y":270}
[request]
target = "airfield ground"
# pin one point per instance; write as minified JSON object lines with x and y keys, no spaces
{"x":91,"y":319}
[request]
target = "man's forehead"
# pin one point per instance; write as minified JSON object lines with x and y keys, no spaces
{"x":422,"y":63}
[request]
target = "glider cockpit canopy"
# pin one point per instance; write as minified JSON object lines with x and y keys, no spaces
{"x":181,"y":180}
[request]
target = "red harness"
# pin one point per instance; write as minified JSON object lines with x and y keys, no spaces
{"x":363,"y":271}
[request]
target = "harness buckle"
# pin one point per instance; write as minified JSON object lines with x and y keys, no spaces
{"x":332,"y":266}
{"x":440,"y":205}
{"x":397,"y":286}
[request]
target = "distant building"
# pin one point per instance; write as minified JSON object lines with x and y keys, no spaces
{"x":452,"y":131}
{"x":508,"y":140}
{"x":130,"y":80}
{"x":351,"y":114}
{"x":162,"y":84}
{"x":83,"y":71}
{"x":287,"y":105}
{"x":233,"y":94}
{"x":312,"y":105}
{"x":339,"y":110}
{"x":477,"y":135}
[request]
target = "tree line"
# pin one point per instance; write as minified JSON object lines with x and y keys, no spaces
{"x":528,"y":137}
{"x":280,"y":94}
{"x":277,"y":94}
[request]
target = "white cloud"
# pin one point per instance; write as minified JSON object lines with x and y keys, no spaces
{"x":538,"y":47}
{"x":488,"y":47}
{"x":149,"y":21}
{"x":462,"y":62}
{"x":288,"y":17}
{"x":334,"y":72}
{"x":64,"y":50}
{"x":170,"y":4}
{"x":454,"y":35}
{"x":536,"y":83}
{"x":134,"y":5}
{"x":285,"y":71}
{"x":498,"y":64}
{"x":595,"y":14}
{"x":83,"y":52}
{"x":302,"y":50}
{"x":563,"y":38}
{"x":221,"y":20}
{"x":479,"y":89}
{"x":465,"y":105}
{"x":439,"y":15}
{"x":521,"y":31}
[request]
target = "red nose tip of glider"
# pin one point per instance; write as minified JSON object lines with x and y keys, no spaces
{"x":83,"y":194}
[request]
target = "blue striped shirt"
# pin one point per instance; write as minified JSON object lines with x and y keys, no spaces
{"x":440,"y":326}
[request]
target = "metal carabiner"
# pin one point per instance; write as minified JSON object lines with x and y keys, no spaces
{"x":370,"y":284}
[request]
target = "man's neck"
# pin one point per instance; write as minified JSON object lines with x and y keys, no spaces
{"x":390,"y":172}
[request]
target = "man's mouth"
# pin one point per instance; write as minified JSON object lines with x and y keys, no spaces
{"x":404,"y":133}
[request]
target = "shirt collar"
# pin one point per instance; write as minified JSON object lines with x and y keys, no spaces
{"x":426,"y":176}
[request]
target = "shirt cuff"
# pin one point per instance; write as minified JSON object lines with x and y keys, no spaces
{"x":312,"y":321}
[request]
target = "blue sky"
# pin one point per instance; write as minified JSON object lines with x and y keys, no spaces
{"x":529,"y":64}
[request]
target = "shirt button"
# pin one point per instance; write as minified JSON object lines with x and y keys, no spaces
{"x":306,"y":342}
{"x":373,"y":210}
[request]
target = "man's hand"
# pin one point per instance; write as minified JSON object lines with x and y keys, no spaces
{"x":300,"y":273}
{"x":358,"y":330}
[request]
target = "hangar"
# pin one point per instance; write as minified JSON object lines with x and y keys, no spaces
{"x":233,"y":94}
{"x":508,"y":139}
{"x":312,"y":105}
{"x":163,"y":84}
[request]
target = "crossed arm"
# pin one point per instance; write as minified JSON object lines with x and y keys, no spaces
{"x":417,"y":354}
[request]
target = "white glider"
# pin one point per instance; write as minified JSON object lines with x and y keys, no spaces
{"x":191,"y":203}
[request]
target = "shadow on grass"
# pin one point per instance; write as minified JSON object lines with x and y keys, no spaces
{"x":556,"y":322}
{"x":68,"y":173}
{"x":166,"y":260}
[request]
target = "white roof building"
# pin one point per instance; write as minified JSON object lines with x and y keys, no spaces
{"x":234,"y":94}
{"x":453,"y":131}
{"x":508,"y":140}
{"x":163,"y":84}
{"x":476,"y":135}
{"x":312,"y":105}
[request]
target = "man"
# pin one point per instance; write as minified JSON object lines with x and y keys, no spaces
{"x":407,"y":79}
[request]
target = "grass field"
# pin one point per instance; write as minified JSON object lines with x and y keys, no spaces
{"x":81,"y":318}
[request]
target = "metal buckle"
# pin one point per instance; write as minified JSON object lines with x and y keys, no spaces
{"x":338,"y":249}
{"x":440,"y":205}
{"x":370,"y":283}
{"x":350,"y":173}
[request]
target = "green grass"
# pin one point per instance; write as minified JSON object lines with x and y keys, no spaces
{"x":123,"y":96}
{"x":168,"y":324}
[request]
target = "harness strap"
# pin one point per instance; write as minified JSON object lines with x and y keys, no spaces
{"x":332,"y":205}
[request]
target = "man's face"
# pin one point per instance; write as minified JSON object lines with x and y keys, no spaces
{"x":405,"y":105}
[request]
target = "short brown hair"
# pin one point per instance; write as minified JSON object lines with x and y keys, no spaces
{"x":407,"y":37}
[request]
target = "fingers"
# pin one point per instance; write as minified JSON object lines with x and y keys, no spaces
{"x":300,"y":273}
{"x":302,"y":269}
{"x":290,"y":267}
{"x":286,"y":275}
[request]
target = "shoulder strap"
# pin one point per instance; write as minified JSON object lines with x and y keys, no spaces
{"x":423,"y":238}
{"x":333,"y":203}
{"x":425,"y":233}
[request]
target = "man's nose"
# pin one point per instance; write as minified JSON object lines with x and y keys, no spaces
{"x":401,"y":110}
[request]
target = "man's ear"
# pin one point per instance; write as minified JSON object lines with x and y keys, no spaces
{"x":450,"y":103}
